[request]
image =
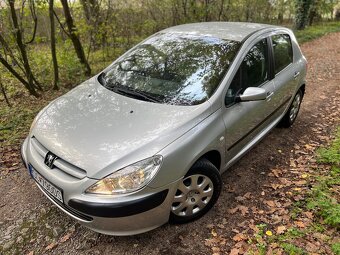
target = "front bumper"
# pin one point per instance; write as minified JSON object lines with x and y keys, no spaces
{"x":128,"y":215}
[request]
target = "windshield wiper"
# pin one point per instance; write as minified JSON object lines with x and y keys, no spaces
{"x":135,"y":94}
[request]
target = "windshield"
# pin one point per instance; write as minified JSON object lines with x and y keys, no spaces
{"x":172,"y":69}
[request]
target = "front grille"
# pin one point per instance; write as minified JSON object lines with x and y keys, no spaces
{"x":58,"y":164}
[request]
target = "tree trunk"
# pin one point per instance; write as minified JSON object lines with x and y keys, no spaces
{"x":53,"y":46}
{"x":4,"y":93}
{"x":22,"y":49}
{"x":221,"y":9}
{"x":18,"y":76}
{"x":302,"y":12}
{"x":206,"y":15}
{"x":74,"y":37}
{"x":91,"y":9}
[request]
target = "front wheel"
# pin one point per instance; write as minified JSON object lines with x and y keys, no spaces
{"x":196,"y":193}
{"x":290,"y":116}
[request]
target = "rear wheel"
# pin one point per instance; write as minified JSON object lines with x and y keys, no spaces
{"x":293,"y":111}
{"x":196,"y":193}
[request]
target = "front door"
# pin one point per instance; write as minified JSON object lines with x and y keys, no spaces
{"x":243,"y":120}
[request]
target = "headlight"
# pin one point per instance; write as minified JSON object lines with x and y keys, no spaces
{"x":128,"y":179}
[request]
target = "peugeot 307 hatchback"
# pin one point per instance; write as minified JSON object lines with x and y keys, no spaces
{"x":146,"y":141}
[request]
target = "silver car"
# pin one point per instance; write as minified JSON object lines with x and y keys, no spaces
{"x":145,"y":142}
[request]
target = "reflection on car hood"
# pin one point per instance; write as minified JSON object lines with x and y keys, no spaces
{"x":101,"y":131}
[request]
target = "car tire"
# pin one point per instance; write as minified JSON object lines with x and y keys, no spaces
{"x":197,"y":192}
{"x":290,"y":116}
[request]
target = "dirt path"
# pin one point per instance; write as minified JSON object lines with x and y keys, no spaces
{"x":259,"y":189}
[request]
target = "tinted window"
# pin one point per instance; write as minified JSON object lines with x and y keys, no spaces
{"x":252,"y":72}
{"x":283,"y":53}
{"x":173,"y":68}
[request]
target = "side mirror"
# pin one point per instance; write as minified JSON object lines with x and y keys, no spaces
{"x":253,"y":94}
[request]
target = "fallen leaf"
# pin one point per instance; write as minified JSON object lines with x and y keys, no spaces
{"x":300,"y":224}
{"x":270,"y":203}
{"x":213,"y":232}
{"x":234,"y":251}
{"x":309,"y":147}
{"x":254,"y":228}
{"x":281,"y":229}
{"x":50,"y":246}
{"x":309,"y":215}
{"x":216,"y":250}
{"x":30,"y":253}
{"x":232,"y":211}
{"x":235,"y":231}
{"x":239,"y":237}
{"x":300,"y":183}
{"x":65,"y":237}
{"x":275,"y":186}
{"x":239,"y":199}
{"x":247,"y":195}
{"x":243,"y":209}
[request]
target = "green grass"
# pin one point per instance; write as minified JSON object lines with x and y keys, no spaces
{"x":316,"y":31}
{"x":336,"y":248}
{"x":292,"y":233}
{"x":323,"y":196}
{"x":291,"y":249}
{"x":331,"y":155}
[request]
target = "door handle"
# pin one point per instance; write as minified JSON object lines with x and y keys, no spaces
{"x":296,"y":74}
{"x":269,"y":95}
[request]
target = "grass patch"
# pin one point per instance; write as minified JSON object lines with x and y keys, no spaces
{"x":292,"y":233}
{"x":331,"y":155}
{"x":336,"y":248}
{"x":316,"y":31}
{"x":322,"y":201}
{"x":291,"y":249}
{"x":323,"y":198}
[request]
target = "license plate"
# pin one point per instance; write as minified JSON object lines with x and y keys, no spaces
{"x":46,"y":185}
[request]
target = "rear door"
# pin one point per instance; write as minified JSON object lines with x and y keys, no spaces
{"x":244,"y":120}
{"x":286,"y":73}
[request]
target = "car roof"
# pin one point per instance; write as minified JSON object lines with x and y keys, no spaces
{"x":236,"y":31}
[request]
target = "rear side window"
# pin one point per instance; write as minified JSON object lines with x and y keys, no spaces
{"x":283,"y":53}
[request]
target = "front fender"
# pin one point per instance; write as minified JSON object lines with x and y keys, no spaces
{"x":180,"y":155}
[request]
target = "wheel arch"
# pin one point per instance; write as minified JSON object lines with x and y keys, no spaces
{"x":214,"y":156}
{"x":303,"y":89}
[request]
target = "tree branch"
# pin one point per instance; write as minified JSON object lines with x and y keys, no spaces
{"x":61,"y":25}
{"x":35,"y":20}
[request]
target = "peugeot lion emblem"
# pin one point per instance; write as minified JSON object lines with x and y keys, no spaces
{"x":49,"y":159}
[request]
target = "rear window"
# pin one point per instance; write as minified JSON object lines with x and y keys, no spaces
{"x":283,"y":53}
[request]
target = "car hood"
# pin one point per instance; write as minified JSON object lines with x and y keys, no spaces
{"x":101,"y":131}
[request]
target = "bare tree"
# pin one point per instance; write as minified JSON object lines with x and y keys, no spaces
{"x":53,"y":45}
{"x":32,"y":83}
{"x":9,"y":67}
{"x":72,"y":32}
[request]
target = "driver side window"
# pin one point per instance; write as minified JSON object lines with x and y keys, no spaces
{"x":252,"y":73}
